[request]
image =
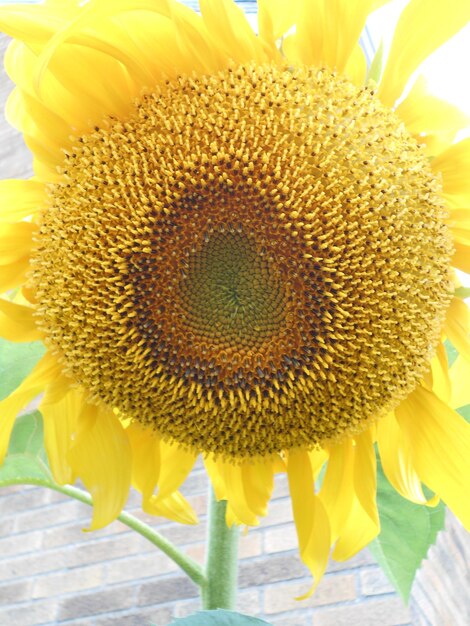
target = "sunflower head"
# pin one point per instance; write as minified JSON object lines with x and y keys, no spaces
{"x":235,"y":244}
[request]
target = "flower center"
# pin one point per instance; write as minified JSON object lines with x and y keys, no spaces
{"x":253,"y":261}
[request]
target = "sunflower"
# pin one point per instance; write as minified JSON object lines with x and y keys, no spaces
{"x":239,"y":246}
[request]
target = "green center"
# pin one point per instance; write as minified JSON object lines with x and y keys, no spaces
{"x":229,"y":293}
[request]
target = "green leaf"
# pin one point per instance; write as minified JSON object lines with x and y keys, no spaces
{"x":407,"y":532}
{"x":464,"y":411}
{"x":218,"y":618}
{"x":26,"y":461}
{"x":375,"y":69}
{"x":16,"y":362}
{"x":451,"y":352}
{"x":462,"y":292}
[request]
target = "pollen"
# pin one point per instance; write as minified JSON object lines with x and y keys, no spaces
{"x":253,"y":261}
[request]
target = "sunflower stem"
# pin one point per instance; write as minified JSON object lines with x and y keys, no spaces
{"x":186,"y":563}
{"x":220,"y":588}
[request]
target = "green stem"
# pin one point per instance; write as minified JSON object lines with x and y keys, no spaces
{"x":220,"y":589}
{"x":186,"y":563}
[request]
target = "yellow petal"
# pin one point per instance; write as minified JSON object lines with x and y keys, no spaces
{"x":20,"y":198}
{"x":306,"y":45}
{"x":365,"y":474}
{"x":460,"y":375}
{"x":230,"y":30}
{"x":61,"y":419}
{"x":258,"y":481}
{"x":396,"y":457}
{"x":145,"y":459}
{"x":343,"y":25}
{"x":454,"y":164}
{"x":15,"y":241}
{"x":429,"y":118}
{"x":275,"y":18}
{"x":236,"y":496}
{"x":461,"y":258}
{"x":17,"y":322}
{"x":43,"y":374}
{"x":13,"y":274}
{"x":457,"y":326}
{"x":175,"y":466}
{"x":174,"y":507}
{"x":441,"y":384}
{"x":337,"y":490}
{"x":424,"y":25}
{"x":310,"y":517}
{"x":439,"y":439}
{"x":356,"y":67}
{"x":101,"y":458}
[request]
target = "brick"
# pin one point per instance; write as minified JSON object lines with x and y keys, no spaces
{"x":31,"y":614}
{"x":271,"y":569}
{"x":387,"y":612}
{"x":250,"y":544}
{"x":282,"y":597}
{"x":279,"y":512}
{"x":32,"y":564}
{"x":197,"y":552}
{"x":25,"y":500}
{"x":181,"y":535}
{"x":374,"y":582}
{"x":14,"y":592}
{"x":68,"y":534}
{"x":299,"y":618}
{"x":88,"y":604}
{"x":68,"y":581}
{"x":280,"y":539}
{"x":18,"y":544}
{"x":153,"y":564}
{"x":158,"y":617}
{"x":52,"y":516}
{"x":281,"y":486}
{"x":167,"y":590}
{"x":107,"y":549}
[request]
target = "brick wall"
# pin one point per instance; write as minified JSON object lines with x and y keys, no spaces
{"x":53,"y":573}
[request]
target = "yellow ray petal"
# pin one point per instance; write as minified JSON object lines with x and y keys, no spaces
{"x":275,"y":18}
{"x":362,"y":523}
{"x":20,"y":198}
{"x":258,"y":482}
{"x":310,"y":517}
{"x":365,"y":474}
{"x":145,"y":459}
{"x":13,"y":274}
{"x":61,"y":419}
{"x":174,"y":507}
{"x":439,"y":439}
{"x":15,"y":241}
{"x":396,"y":457}
{"x":101,"y":458}
{"x":42,"y":375}
{"x":461,"y":258}
{"x":306,"y":45}
{"x":343,"y":25}
{"x":236,"y":495}
{"x":175,"y":466}
{"x":460,"y":376}
{"x":230,"y":30}
{"x":454,"y":164}
{"x":430,"y":119}
{"x":337,"y":490}
{"x":441,"y":384}
{"x":17,"y":322}
{"x":356,"y":67}
{"x":424,"y":25}
{"x":457,"y":326}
